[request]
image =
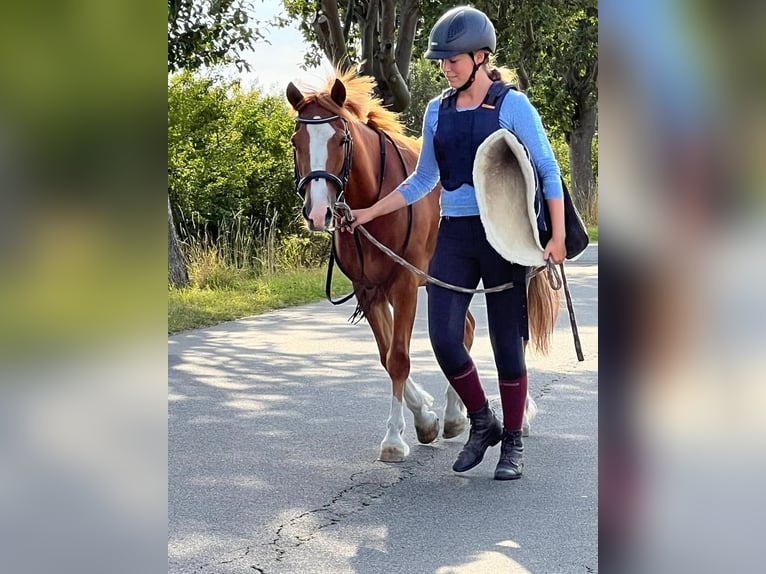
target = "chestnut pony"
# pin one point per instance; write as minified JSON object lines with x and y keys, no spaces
{"x":349,"y":148}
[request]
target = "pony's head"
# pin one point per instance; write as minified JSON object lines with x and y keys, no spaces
{"x":323,"y":140}
{"x":322,"y":146}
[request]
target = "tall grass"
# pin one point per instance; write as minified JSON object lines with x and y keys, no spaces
{"x":238,"y":249}
{"x":239,"y":268}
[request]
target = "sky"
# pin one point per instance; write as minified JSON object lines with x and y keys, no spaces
{"x":275,"y":64}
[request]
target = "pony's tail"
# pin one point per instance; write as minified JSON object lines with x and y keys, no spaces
{"x":543,"y":304}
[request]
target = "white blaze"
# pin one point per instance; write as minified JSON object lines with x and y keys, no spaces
{"x":319,"y":136}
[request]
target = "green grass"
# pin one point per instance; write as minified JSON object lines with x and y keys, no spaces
{"x":194,"y":307}
{"x":230,"y":278}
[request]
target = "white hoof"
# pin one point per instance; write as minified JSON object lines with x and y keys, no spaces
{"x":530,"y":412}
{"x":427,"y":428}
{"x":455,"y":427}
{"x":394,"y":452}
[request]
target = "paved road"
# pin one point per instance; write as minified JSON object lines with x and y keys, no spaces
{"x":274,"y":427}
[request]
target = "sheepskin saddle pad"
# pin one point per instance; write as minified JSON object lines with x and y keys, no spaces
{"x":505,"y":185}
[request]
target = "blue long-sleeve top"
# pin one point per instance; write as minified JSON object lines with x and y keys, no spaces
{"x":517,"y":115}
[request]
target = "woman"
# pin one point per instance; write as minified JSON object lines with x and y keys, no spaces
{"x":454,"y":126}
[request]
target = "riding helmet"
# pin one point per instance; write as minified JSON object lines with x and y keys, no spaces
{"x":461,"y":30}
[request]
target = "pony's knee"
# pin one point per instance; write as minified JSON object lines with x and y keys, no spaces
{"x":398,"y":365}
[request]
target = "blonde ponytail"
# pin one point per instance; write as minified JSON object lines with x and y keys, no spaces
{"x":496,"y":72}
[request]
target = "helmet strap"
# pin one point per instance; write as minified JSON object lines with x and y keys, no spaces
{"x":473,"y":75}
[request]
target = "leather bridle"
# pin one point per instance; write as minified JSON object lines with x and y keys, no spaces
{"x":339,"y":181}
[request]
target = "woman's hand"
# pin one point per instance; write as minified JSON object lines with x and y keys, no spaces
{"x":556,"y":250}
{"x":358,"y":217}
{"x":391,"y":202}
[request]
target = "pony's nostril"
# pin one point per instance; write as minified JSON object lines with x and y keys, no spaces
{"x":328,"y":216}
{"x":306,"y":212}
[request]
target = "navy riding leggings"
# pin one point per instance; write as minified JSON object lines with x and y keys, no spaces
{"x":463,"y":257}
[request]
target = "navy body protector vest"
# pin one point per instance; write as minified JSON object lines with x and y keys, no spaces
{"x":459,"y":135}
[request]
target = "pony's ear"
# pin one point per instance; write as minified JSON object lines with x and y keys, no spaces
{"x":338,"y":93}
{"x":294,"y":96}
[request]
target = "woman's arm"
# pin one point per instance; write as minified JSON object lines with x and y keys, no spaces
{"x":420,"y":182}
{"x":393,"y":201}
{"x":520,"y":116}
{"x":555,"y":247}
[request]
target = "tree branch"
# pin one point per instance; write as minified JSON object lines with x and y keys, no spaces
{"x":408,"y":23}
{"x":390,"y":72}
{"x":336,"y":39}
{"x":369,"y":38}
{"x":349,"y":19}
{"x":521,"y":71}
{"x":322,"y":30}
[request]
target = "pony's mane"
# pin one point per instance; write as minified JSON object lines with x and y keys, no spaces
{"x":361,"y":104}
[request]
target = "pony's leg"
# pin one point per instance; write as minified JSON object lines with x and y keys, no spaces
{"x":403,"y":295}
{"x":419,"y":402}
{"x":404,"y":298}
{"x":530,"y":412}
{"x":455,"y":420}
{"x":393,"y":448}
{"x":530,"y":408}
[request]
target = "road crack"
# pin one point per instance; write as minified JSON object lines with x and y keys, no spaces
{"x":365,"y":489}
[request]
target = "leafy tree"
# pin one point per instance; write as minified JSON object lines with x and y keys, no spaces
{"x":378,"y":34}
{"x":553,"y":45}
{"x":229,"y":154}
{"x":426,"y":82}
{"x":203,"y":33}
{"x":207,"y":32}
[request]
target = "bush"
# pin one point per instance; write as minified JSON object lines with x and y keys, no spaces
{"x":304,"y":250}
{"x":240,"y":248}
{"x":229,"y":154}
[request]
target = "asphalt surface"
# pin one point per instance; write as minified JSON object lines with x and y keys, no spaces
{"x":274,"y":428}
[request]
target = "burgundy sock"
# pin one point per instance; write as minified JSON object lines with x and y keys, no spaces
{"x":468,"y":387}
{"x":513,"y":395}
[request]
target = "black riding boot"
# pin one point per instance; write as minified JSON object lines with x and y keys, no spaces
{"x":486,"y":431}
{"x":511,"y":456}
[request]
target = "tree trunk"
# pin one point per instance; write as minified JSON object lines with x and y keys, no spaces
{"x":584,"y":191}
{"x":385,"y":54}
{"x":334,"y":35}
{"x":177,"y":275}
{"x":398,"y":96}
{"x":408,"y":25}
{"x":370,"y":38}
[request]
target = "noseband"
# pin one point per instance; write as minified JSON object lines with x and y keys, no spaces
{"x":339,"y":181}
